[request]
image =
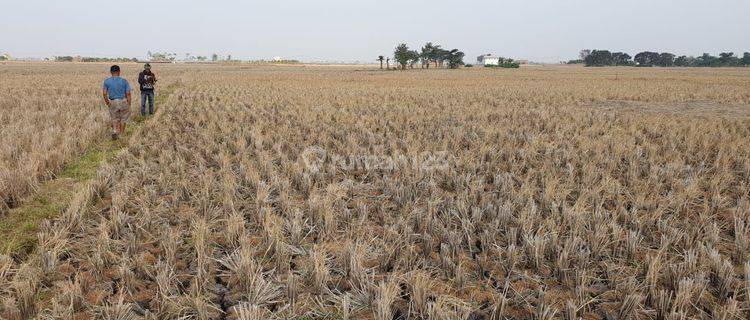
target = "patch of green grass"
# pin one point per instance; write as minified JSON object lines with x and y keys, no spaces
{"x":86,"y":166}
{"x":20,"y":225}
{"x":136,"y":119}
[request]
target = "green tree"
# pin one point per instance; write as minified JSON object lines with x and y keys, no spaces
{"x":746,"y":59}
{"x":646,"y":59}
{"x":706,"y":60}
{"x":682,"y":61}
{"x":413,"y":58}
{"x":440,"y":56}
{"x":455,"y":58}
{"x":381,"y":59}
{"x":214,"y":57}
{"x":584,"y":54}
{"x":599,"y":58}
{"x":64,"y":59}
{"x":666,"y":59}
{"x":433,"y":53}
{"x":402,"y":55}
{"x":621,"y":59}
{"x":161,"y":56}
{"x":728,"y":59}
{"x":427,"y":54}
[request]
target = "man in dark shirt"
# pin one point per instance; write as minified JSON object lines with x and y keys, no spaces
{"x":146,"y":80}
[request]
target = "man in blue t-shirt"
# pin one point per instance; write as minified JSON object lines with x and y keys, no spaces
{"x":117,"y":97}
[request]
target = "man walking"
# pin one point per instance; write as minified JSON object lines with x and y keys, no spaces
{"x":117,"y":96}
{"x":146,"y":80}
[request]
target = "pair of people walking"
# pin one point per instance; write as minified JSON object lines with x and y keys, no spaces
{"x":116,"y":92}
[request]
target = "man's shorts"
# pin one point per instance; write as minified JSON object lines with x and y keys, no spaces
{"x":119,"y":111}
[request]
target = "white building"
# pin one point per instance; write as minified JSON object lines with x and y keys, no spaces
{"x":488,"y":59}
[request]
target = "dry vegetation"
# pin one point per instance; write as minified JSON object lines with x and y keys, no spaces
{"x":49,"y":114}
{"x":556,"y":202}
{"x":46,"y":119}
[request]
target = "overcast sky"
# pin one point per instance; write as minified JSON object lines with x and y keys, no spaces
{"x":539,"y":30}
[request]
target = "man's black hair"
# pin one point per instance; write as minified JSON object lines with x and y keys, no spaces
{"x":114,"y":68}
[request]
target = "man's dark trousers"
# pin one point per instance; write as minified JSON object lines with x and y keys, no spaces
{"x":147,"y":95}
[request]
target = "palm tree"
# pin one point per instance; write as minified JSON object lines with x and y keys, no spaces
{"x":437,"y":55}
{"x":426,"y":54}
{"x":413,"y":58}
{"x":381,"y":58}
{"x":440,"y":55}
{"x":455,"y":58}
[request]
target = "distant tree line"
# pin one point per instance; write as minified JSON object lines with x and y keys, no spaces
{"x":600,"y":58}
{"x":430,"y":54}
{"x":161,"y":56}
{"x":171,"y":57}
{"x":192,"y":58}
{"x":64,"y":58}
{"x":152,"y":56}
{"x":92,"y":59}
{"x":280,"y":61}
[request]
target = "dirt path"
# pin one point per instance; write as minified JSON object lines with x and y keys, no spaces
{"x":19,"y":227}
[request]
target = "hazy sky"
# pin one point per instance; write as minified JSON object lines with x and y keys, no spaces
{"x":540,"y":30}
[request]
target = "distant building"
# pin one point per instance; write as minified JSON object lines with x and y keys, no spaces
{"x":488,"y":59}
{"x":491,"y":59}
